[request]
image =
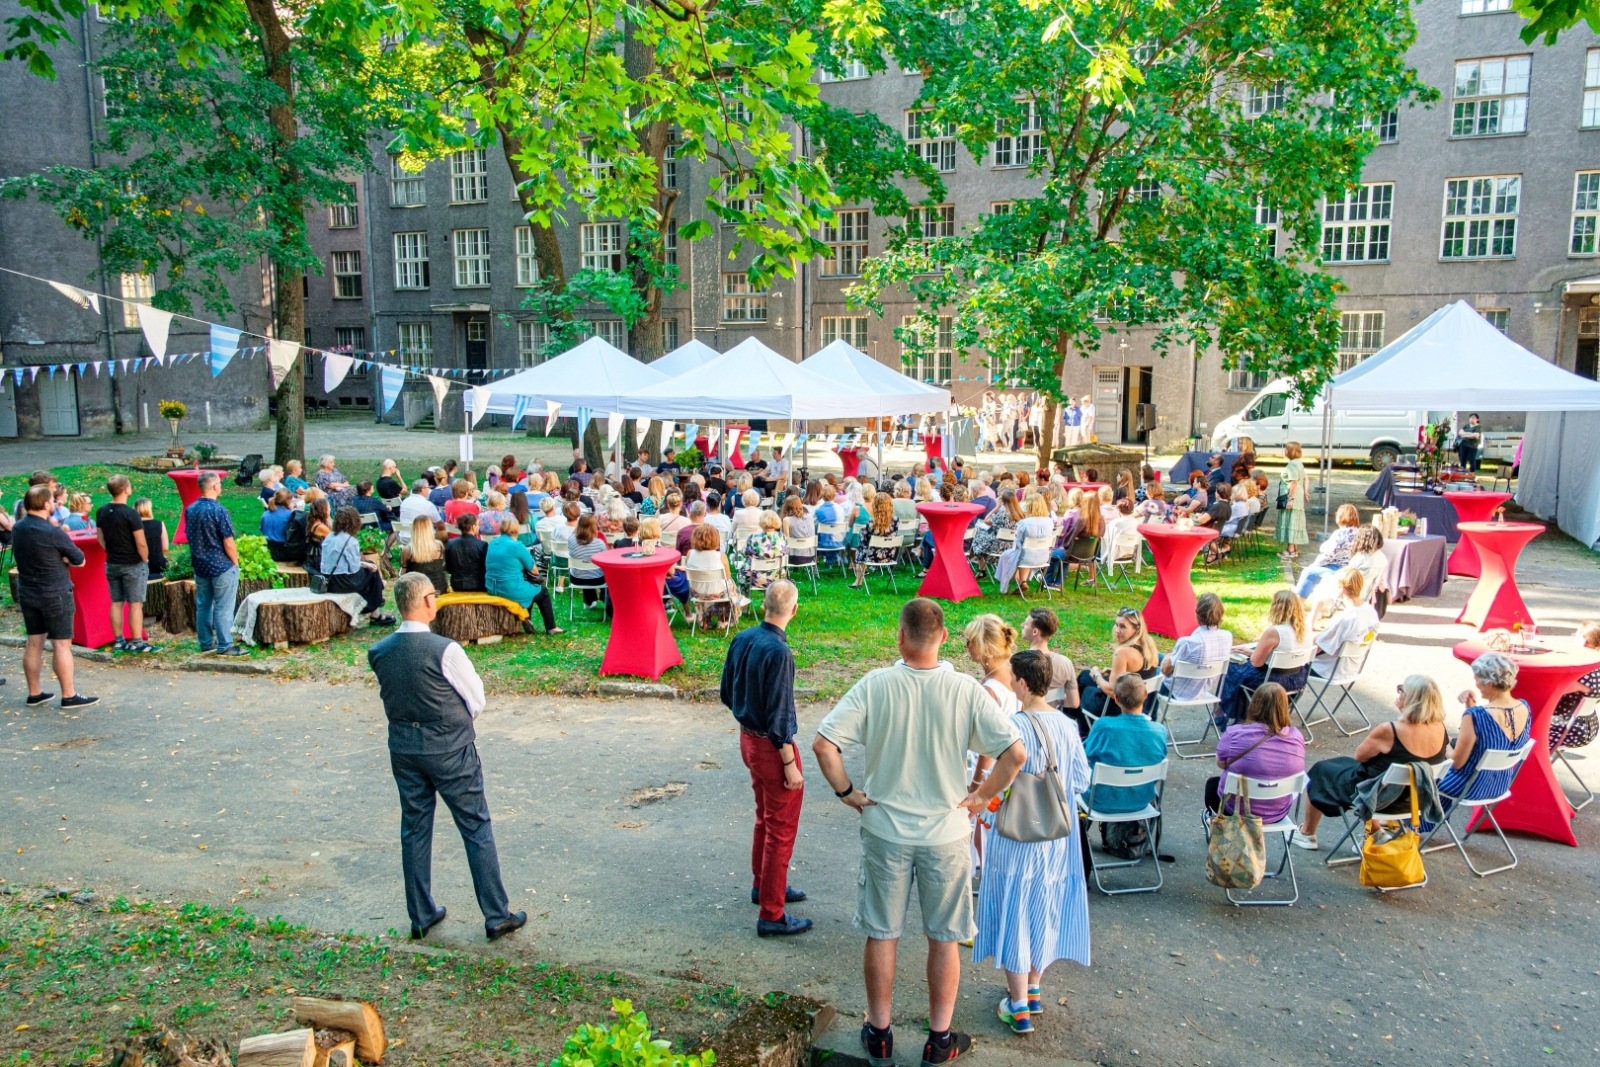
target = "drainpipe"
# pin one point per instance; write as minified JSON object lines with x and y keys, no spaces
{"x":99,"y":245}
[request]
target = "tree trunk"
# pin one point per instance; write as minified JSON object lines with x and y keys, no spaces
{"x":645,"y":342}
{"x":1047,"y":426}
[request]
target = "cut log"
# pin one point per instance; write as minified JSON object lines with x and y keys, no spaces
{"x":179,"y":616}
{"x":293,"y":576}
{"x":473,"y":622}
{"x":155,"y":601}
{"x":356,"y":1016}
{"x":299,"y":624}
{"x":335,"y":1048}
{"x":296,"y":1048}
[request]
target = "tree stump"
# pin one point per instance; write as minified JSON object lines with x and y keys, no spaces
{"x":293,"y":576}
{"x":155,"y":601}
{"x":178,"y":618}
{"x":281,"y":625}
{"x":483,"y":623}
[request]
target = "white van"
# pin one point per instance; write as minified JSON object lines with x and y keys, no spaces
{"x":1273,"y":418}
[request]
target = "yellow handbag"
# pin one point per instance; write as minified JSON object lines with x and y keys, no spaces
{"x":1395,"y":862}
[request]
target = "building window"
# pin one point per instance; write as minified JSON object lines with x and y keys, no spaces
{"x":469,"y":176}
{"x":1020,"y":149}
{"x":611,"y":331}
{"x":1001,"y":207}
{"x":852,"y":70}
{"x":931,"y":367}
{"x":531,"y":339}
{"x":350,"y":338}
{"x":1267,"y":219}
{"x":416,"y":343}
{"x":599,"y":167}
{"x":1246,"y":381}
{"x":136,"y":289}
{"x":751,"y":197}
{"x":603,"y":246}
{"x":406,"y":188}
{"x":1591,"y":89}
{"x":742,"y":302}
{"x":347,"y":275}
{"x":346,"y":216}
{"x":1360,"y":335}
{"x":851,"y":329}
{"x":1355,"y":228}
{"x":472,"y":258}
{"x":932,"y":142}
{"x":669,"y":244}
{"x":1387,"y":126}
{"x":1480,"y":218}
{"x":669,"y":166}
{"x":930,"y":223}
{"x":527,"y":261}
{"x":1145,"y":189}
{"x":1484,"y":7}
{"x":411,"y":260}
{"x":1585,"y":212}
{"x":1259,"y":100}
{"x":846,"y":237}
{"x":1491,"y":96}
{"x":1589,"y":321}
{"x":1499,"y":318}
{"x":669,"y":334}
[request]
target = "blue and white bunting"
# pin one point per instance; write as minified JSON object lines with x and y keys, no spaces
{"x":224,"y":346}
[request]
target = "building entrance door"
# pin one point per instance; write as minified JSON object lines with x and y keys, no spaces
{"x":58,"y":404}
{"x":8,"y":406}
{"x":1108,"y":403}
{"x":1137,"y":385}
{"x":477,"y":348}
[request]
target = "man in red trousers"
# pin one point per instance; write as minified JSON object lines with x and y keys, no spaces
{"x":758,"y":687}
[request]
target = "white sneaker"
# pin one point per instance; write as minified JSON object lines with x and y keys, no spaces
{"x":1306,"y":841}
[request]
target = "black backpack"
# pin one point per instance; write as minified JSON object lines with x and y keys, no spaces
{"x":249,"y":467}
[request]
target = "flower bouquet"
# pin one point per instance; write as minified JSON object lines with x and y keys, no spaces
{"x":1431,"y":442}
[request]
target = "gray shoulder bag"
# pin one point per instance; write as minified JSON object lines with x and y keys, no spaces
{"x":1037,"y":808}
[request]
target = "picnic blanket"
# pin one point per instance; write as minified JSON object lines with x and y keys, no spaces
{"x":244,"y":620}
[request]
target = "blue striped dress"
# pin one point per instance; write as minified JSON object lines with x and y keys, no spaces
{"x":1488,"y":734}
{"x":1033,"y":906}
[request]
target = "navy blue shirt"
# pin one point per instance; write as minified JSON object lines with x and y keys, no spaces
{"x":758,"y":683}
{"x":373,"y":506}
{"x":206,"y":525}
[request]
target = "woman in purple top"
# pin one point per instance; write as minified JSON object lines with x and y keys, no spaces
{"x":1264,"y":747}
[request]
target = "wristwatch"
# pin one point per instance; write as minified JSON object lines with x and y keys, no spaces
{"x":841,"y":794}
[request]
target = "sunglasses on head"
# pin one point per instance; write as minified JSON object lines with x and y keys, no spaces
{"x":1127,"y":613}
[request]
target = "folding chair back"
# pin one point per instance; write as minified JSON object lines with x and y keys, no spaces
{"x":908,"y":529}
{"x":838,"y":531}
{"x":1260,"y":789}
{"x":369,"y":518}
{"x":802,"y":556}
{"x":1208,"y":698}
{"x":1103,"y":774}
{"x":1491,"y":761}
{"x":888,"y":543}
{"x":1558,"y":749}
{"x":708,"y":588}
{"x":1107,"y":776}
{"x":1398,"y":774}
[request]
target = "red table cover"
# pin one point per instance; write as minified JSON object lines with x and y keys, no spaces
{"x":91,"y":596}
{"x":1496,"y":602}
{"x":1471,"y":507}
{"x":1170,"y":609}
{"x":188,"y":483}
{"x":950,"y":577}
{"x":1537,"y":804}
{"x":641,"y":641}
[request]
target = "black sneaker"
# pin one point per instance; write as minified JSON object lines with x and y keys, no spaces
{"x":878,"y":1045}
{"x":233,"y":650}
{"x":784,"y":927}
{"x":119,"y":645}
{"x":42,"y":698}
{"x":934,"y":1054}
{"x":79,"y":701}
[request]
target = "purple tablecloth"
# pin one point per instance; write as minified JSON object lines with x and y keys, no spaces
{"x":1440,"y":513}
{"x":1196,"y":461}
{"x":1416,"y":566}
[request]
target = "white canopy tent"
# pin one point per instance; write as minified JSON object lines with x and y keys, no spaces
{"x":885,"y":390}
{"x":749,"y":380}
{"x":685,"y":357}
{"x":594,"y":375}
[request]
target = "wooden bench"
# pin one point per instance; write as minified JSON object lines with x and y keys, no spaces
{"x":477,"y":618}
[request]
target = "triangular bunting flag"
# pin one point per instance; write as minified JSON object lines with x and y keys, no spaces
{"x":76,"y":295}
{"x":640,"y":428}
{"x":17,"y":375}
{"x":755,"y":441}
{"x":519,"y":411}
{"x":282,"y":354}
{"x":390,"y":381}
{"x":584,"y":415}
{"x":480,"y":402}
{"x":733,"y":441}
{"x":334,"y":368}
{"x":155,"y":323}
{"x":111,"y":368}
{"x":613,"y":428}
{"x":224,"y":346}
{"x":666,"y":435}
{"x":552,"y":408}
{"x":81,"y":368}
{"x":441,"y":389}
{"x":52,"y":370}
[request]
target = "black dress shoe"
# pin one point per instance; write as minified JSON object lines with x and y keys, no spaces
{"x":783,"y":927}
{"x":420,"y":932}
{"x":517,"y":921}
{"x":791,"y":895}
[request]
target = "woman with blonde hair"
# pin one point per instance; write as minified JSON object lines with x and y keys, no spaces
{"x":880,"y":524}
{"x":1133,"y":651}
{"x":1417,"y":736}
{"x":1287,"y":631}
{"x":1005,"y":516}
{"x":1020,"y":560}
{"x":489,"y":518}
{"x":425,"y":554}
{"x":655,"y":493}
{"x":1296,"y":494}
{"x":990,"y":642}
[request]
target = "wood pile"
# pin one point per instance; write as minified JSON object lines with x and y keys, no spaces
{"x":170,"y":1049}
{"x":356,"y":1017}
{"x":281,"y":625}
{"x":483,"y":623}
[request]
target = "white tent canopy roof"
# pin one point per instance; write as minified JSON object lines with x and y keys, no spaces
{"x":1454,"y":360}
{"x":685,"y":357}
{"x":593,"y":375}
{"x":885,"y":389}
{"x":749,"y":380}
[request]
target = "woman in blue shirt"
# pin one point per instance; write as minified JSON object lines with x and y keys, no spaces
{"x":342,"y":565}
{"x":1498,"y":722}
{"x":275,"y":520}
{"x":508,"y":568}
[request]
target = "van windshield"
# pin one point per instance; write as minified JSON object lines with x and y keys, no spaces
{"x":1268,"y":407}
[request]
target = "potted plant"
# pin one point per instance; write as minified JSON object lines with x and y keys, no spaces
{"x":690,"y":459}
{"x":207,"y":450}
{"x":174,"y":411}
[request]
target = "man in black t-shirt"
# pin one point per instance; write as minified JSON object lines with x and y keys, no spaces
{"x":120,"y":531}
{"x":44,"y":593}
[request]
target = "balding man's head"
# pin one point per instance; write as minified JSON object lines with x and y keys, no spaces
{"x":780,"y":601}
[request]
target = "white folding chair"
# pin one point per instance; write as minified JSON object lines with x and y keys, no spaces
{"x":369,"y":518}
{"x":910,"y":533}
{"x":804,"y":549}
{"x":1119,"y":551}
{"x":1028,"y":574}
{"x":773,"y":567}
{"x":580,"y":578}
{"x":708,"y":588}
{"x":882,"y":541}
{"x":1558,"y":749}
{"x":560,"y":558}
{"x":1491,"y":761}
{"x":1398,"y":774}
{"x":1283,"y":662}
{"x":838,"y":531}
{"x":1104,"y":775}
{"x":1347,"y":668}
{"x":1292,"y":787}
{"x":1208,"y":700}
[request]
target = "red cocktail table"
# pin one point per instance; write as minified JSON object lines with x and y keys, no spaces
{"x":188,"y":483}
{"x":641,"y":640}
{"x":1170,"y":609}
{"x":91,"y":596}
{"x":1496,"y":603}
{"x":1537,"y":803}
{"x":950,"y":577}
{"x":1471,"y":507}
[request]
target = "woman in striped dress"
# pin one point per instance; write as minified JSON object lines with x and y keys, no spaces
{"x":1498,"y":722}
{"x":1033,"y":906}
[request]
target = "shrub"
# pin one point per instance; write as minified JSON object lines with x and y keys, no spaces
{"x":254,"y":560}
{"x":690,"y":459}
{"x":625,"y":1043}
{"x":178,"y":563}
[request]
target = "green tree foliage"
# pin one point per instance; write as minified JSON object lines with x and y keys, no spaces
{"x":1164,"y":136}
{"x":1547,"y":18}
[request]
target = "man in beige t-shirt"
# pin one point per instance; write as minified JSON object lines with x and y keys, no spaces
{"x":917,"y":723}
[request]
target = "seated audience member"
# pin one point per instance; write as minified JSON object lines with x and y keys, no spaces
{"x":1195,"y":498}
{"x":549,"y":521}
{"x":1567,"y":728}
{"x":367,"y":504}
{"x":583,"y":544}
{"x":346,"y":571}
{"x":389,"y":486}
{"x":275,"y":522}
{"x":1153,"y":508}
{"x":517,"y":505}
{"x":1133,"y":652}
{"x":1494,"y":720}
{"x":669,"y":462}
{"x":1353,"y":619}
{"x":685,"y":538}
{"x":715,"y":515}
{"x":630,"y":491}
{"x":489,"y":518}
{"x":1335,"y":551}
{"x":1124,"y":489}
{"x":1020,"y":559}
{"x":580,"y":473}
{"x":747,"y":519}
{"x":416,"y":506}
{"x":830,"y":543}
{"x":1037,"y":630}
{"x":463,"y":501}
{"x":797,"y":525}
{"x":1206,"y":645}
{"x":271,"y":482}
{"x":464,"y":557}
{"x":1238,"y":510}
{"x":672,"y":517}
{"x":629,"y":538}
{"x":293,"y":479}
{"x":510,"y":471}
{"x":1216,"y":477}
{"x":331,"y":480}
{"x":1125,"y":739}
{"x":880,"y":524}
{"x":765,"y":545}
{"x":1264,"y":747}
{"x":571,"y":512}
{"x":1417,"y":736}
{"x":509,"y":573}
{"x":611,"y":516}
{"x":425,"y":555}
{"x":1286,"y":630}
{"x":319,"y":524}
{"x":707,"y":558}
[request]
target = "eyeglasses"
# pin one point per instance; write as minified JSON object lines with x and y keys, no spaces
{"x":1127,"y":613}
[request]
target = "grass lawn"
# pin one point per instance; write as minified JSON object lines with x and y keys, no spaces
{"x":838,"y":635}
{"x":76,"y":980}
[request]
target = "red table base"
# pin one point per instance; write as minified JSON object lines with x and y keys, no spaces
{"x":1537,"y":804}
{"x":188,"y":483}
{"x":1496,"y":603}
{"x":1170,"y":609}
{"x":91,"y":596}
{"x":950,"y":577}
{"x":641,"y":642}
{"x":1471,"y":507}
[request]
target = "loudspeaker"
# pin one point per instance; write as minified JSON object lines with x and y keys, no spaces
{"x":1145,"y":418}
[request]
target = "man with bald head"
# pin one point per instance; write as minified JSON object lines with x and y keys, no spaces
{"x":758,"y":687}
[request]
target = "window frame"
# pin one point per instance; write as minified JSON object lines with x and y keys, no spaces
{"x":471,"y":257}
{"x":1018,"y":148}
{"x":136,"y":287}
{"x":417,"y":262}
{"x":1585,"y":215}
{"x":1484,"y":7}
{"x":414,"y":354}
{"x":357,"y":342}
{"x":741,"y":302}
{"x":1498,"y":226}
{"x":345,"y":266}
{"x":527,"y":260}
{"x":1366,"y":210}
{"x":406,"y":181}
{"x":1589,"y":116}
{"x":346,"y":216}
{"x":939,"y":149}
{"x":855,"y":70}
{"x":938,"y":368}
{"x":613,"y":248}
{"x":1366,"y":328}
{"x":1478,"y":102}
{"x":469,"y":184}
{"x":532,"y":336}
{"x":852,"y":329}
{"x":846,"y":237}
{"x":612,"y":331}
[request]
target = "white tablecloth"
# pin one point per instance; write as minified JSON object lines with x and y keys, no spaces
{"x":244,"y":620}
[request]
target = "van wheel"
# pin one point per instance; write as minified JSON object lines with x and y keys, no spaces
{"x":1383,"y":455}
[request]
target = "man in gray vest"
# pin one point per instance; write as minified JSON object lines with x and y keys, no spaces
{"x":431,"y":695}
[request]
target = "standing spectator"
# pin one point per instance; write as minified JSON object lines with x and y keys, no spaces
{"x":43,"y":552}
{"x":1296,"y":489}
{"x":346,"y":571}
{"x":1208,"y":644}
{"x":120,"y":532}
{"x":216,"y":568}
{"x":155,"y":538}
{"x":917,"y":723}
{"x":1469,"y":440}
{"x":758,"y":687}
{"x":431,"y":695}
